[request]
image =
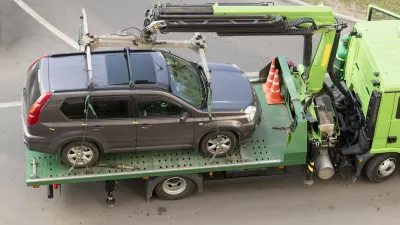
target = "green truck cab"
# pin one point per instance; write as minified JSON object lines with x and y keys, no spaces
{"x":372,"y":68}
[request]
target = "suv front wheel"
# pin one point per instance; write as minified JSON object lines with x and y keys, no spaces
{"x":80,"y":156}
{"x":219,"y":144}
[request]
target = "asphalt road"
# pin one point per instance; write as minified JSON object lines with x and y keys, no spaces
{"x":283,"y":200}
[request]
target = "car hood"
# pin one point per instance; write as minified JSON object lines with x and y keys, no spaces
{"x":231,"y":89}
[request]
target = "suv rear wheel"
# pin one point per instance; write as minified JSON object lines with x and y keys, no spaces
{"x":80,"y":155}
{"x":218,"y":144}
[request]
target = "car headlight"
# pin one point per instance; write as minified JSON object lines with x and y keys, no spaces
{"x":250,"y":113}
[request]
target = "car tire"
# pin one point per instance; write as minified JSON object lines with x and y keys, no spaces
{"x":175,"y":188}
{"x":382,"y":167}
{"x":210,"y":138}
{"x":90,"y":152}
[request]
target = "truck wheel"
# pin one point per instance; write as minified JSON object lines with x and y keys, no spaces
{"x":381,"y":167}
{"x":174,"y":188}
{"x":82,"y":156}
{"x":218,"y":145}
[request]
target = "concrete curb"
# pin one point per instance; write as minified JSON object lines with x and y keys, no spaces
{"x":338,"y":15}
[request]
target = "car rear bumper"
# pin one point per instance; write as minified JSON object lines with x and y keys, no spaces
{"x":38,"y":144}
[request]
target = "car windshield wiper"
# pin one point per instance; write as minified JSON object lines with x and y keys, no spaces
{"x":204,"y":82}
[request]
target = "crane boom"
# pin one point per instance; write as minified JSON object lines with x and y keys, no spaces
{"x":234,"y":19}
{"x":263,"y":19}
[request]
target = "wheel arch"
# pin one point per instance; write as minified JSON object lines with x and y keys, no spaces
{"x":66,"y":141}
{"x":235,"y":131}
{"x":374,"y":158}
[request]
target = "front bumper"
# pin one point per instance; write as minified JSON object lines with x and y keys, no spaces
{"x":248,"y":129}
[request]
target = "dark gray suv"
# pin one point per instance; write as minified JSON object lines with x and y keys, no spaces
{"x":160,"y":104}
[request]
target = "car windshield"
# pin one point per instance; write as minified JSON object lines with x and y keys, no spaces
{"x":186,"y":81}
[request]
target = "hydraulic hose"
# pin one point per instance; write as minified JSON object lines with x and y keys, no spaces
{"x":329,"y":92}
{"x":331,"y":73}
{"x":356,"y":136}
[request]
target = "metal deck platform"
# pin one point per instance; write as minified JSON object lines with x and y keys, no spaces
{"x":265,"y":149}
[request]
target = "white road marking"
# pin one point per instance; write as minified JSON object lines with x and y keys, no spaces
{"x":46,"y":24}
{"x":10,"y":104}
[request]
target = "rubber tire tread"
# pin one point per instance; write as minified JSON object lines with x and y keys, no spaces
{"x":206,"y":138}
{"x":372,"y":167}
{"x":191,"y":186}
{"x":88,"y":144}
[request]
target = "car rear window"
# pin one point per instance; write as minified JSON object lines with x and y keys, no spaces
{"x":32,"y":89}
{"x":109,"y":107}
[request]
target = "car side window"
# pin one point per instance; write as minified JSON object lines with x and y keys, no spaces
{"x":158,"y":108}
{"x":74,"y":108}
{"x":105,"y":107}
{"x":115,"y":107}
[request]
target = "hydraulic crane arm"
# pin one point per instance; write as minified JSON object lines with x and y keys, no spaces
{"x":231,"y":19}
{"x":244,"y":19}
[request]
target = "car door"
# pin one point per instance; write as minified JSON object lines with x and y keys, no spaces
{"x":113,"y":122}
{"x":161,"y":124}
{"x":393,"y":139}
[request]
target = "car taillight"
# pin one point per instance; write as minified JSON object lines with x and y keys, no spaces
{"x":30,"y":67}
{"x":34,"y":112}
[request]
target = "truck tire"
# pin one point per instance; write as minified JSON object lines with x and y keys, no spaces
{"x":71,"y":151}
{"x":175,"y":188}
{"x":209,"y":143}
{"x":381,"y":167}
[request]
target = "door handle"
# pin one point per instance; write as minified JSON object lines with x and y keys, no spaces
{"x":392,"y":139}
{"x":145,"y":125}
{"x":97,"y":128}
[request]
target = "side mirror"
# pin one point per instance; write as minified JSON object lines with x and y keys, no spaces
{"x":184,"y":117}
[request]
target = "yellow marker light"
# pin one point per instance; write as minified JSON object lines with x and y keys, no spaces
{"x":134,"y":122}
{"x":210,"y":173}
{"x":36,"y":186}
{"x":281,"y":167}
{"x":145,"y":178}
{"x":327,"y":53}
{"x":51,"y":128}
{"x":84,"y":124}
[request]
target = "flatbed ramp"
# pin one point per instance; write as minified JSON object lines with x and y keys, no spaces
{"x":265,"y":148}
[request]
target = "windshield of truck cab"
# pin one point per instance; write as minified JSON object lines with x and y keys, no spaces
{"x":186,"y":81}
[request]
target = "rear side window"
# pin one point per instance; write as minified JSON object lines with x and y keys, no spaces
{"x":74,"y":108}
{"x":104,"y":107}
{"x":31,"y":91}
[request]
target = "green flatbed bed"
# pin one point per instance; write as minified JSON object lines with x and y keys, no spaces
{"x":266,"y":148}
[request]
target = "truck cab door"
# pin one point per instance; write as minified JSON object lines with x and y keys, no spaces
{"x":393,"y":139}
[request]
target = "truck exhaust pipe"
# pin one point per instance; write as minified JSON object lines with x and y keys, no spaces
{"x":324,"y":165}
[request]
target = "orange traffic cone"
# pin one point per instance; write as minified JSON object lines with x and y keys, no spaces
{"x":274,"y":96}
{"x":267,"y":85}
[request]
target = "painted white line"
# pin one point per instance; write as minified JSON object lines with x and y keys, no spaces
{"x":46,"y":24}
{"x":10,"y":104}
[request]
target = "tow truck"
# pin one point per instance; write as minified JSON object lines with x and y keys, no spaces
{"x":325,"y":125}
